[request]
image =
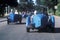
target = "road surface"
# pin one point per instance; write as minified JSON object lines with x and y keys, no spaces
{"x":18,"y":32}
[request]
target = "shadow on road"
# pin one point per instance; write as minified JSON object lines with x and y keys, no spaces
{"x":20,"y":23}
{"x":16,"y":23}
{"x":57,"y":30}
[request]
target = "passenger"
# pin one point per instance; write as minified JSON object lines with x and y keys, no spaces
{"x":16,"y":12}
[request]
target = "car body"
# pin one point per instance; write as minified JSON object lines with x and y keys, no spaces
{"x":40,"y":21}
{"x":14,"y":18}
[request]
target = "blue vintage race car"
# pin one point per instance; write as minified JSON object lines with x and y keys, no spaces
{"x":40,"y":21}
{"x":14,"y":18}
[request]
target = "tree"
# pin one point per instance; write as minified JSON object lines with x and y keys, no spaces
{"x":30,"y":6}
{"x":12,"y":3}
{"x":2,"y":10}
{"x":26,"y":5}
{"x":4,"y":3}
{"x":51,"y":4}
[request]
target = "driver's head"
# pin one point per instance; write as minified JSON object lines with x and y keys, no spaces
{"x":35,"y":12}
{"x":12,"y":10}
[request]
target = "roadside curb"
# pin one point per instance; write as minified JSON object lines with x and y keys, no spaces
{"x":2,"y":20}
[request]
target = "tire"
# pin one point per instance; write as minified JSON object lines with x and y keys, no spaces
{"x":7,"y":21}
{"x":51,"y":26}
{"x":28,"y":29}
{"x":47,"y":29}
{"x":52,"y":29}
{"x":20,"y":19}
{"x":39,"y":30}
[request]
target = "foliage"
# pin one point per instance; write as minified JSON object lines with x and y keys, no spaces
{"x":49,"y":3}
{"x":26,"y":6}
{"x":58,"y":10}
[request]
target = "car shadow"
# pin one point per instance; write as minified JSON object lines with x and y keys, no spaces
{"x":19,"y":23}
{"x":16,"y":23}
{"x":57,"y":30}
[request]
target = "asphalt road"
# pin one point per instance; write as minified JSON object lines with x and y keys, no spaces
{"x":18,"y":32}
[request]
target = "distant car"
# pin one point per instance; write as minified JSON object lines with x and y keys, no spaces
{"x":24,"y":15}
{"x":40,"y":21}
{"x":14,"y":18}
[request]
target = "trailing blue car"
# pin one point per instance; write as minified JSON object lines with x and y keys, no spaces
{"x":24,"y":14}
{"x":14,"y":18}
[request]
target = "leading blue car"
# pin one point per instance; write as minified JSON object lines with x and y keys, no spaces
{"x":40,"y":21}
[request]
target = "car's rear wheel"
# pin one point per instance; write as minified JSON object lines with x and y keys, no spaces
{"x":20,"y":19}
{"x":7,"y":21}
{"x":50,"y":28}
{"x":28,"y":29}
{"x":39,"y":30}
